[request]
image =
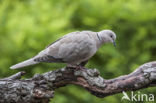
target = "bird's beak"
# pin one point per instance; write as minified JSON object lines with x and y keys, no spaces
{"x":114,"y":43}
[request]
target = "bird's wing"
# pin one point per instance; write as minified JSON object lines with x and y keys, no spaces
{"x":72,"y":47}
{"x":45,"y":56}
{"x":72,"y":33}
{"x":48,"y":59}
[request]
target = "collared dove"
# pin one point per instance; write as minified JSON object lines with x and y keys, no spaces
{"x":73,"y":49}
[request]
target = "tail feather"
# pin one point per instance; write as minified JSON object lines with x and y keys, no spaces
{"x":24,"y":64}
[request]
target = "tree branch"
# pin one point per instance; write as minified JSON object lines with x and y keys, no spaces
{"x":40,"y":88}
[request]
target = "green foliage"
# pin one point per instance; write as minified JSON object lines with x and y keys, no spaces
{"x":27,"y":26}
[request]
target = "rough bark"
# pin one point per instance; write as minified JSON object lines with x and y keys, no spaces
{"x":41,"y":87}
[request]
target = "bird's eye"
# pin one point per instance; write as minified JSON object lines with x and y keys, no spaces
{"x":111,"y":36}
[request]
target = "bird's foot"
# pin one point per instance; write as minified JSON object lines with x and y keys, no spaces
{"x":79,"y":67}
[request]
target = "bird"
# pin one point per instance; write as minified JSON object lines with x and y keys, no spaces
{"x":74,"y":49}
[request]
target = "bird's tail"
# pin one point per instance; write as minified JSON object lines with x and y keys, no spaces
{"x":24,"y":64}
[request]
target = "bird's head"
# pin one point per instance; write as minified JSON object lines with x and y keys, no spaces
{"x":106,"y":36}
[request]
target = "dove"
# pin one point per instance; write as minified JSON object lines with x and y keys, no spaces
{"x":74,"y":49}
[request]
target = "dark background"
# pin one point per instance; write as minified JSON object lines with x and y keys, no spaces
{"x":28,"y":26}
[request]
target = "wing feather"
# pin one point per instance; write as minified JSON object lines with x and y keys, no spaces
{"x":49,"y":59}
{"x":62,"y":38}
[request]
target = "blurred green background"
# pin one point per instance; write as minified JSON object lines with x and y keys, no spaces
{"x":27,"y":26}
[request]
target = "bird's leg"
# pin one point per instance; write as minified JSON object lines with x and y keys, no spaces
{"x":71,"y":66}
{"x":75,"y":67}
{"x":83,"y":63}
{"x":81,"y":66}
{"x":78,"y":66}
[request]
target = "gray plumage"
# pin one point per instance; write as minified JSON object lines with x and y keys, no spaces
{"x":73,"y":48}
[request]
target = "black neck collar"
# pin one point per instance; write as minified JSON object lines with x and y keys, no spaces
{"x":98,"y":37}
